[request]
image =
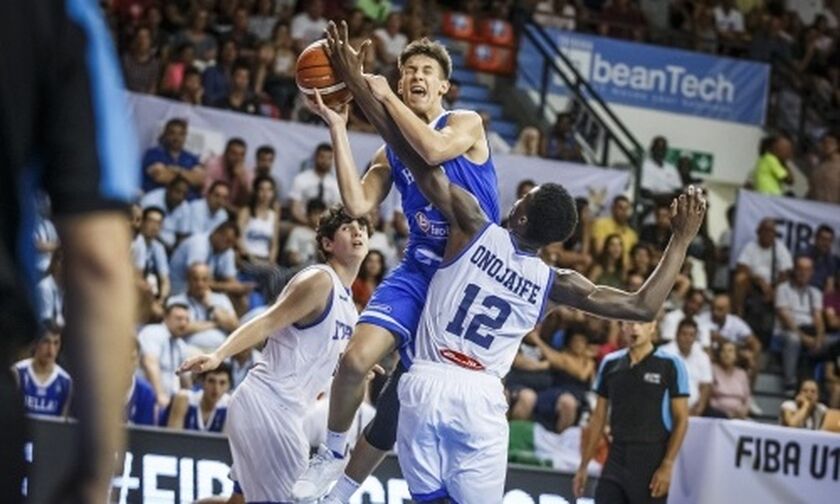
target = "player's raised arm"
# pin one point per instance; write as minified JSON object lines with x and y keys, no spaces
{"x":573,"y":289}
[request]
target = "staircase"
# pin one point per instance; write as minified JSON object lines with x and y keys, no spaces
{"x":769,"y":391}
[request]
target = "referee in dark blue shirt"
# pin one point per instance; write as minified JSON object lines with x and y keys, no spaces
{"x":646,"y":392}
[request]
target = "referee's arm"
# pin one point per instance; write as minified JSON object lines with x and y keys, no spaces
{"x":678,"y":389}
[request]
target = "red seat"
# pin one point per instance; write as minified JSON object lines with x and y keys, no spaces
{"x":458,"y":25}
{"x":493,"y":59}
{"x":497,"y":32}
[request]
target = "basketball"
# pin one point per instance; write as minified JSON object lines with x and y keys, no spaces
{"x":313,"y":71}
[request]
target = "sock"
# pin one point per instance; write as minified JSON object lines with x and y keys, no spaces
{"x":344,"y":489}
{"x":337,"y":442}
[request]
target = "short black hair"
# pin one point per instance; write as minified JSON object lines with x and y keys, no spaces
{"x":228,"y":224}
{"x":430,"y":48}
{"x":175,"y":121}
{"x":236,"y":141}
{"x":330,"y":221}
{"x":552,"y":215}
{"x":240,"y":64}
{"x":265,"y":149}
{"x":620,"y":197}
{"x":179,"y":179}
{"x":223,"y":367}
{"x":825,"y":228}
{"x":192,"y":70}
{"x":524,"y":183}
{"x":315,"y":205}
{"x":323,"y":147}
{"x":687,"y":322}
{"x":153,"y":209}
{"x":217,"y":183}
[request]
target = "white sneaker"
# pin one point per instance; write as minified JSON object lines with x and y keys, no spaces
{"x":324,"y":470}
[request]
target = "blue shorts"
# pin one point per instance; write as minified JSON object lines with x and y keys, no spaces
{"x":397,"y":303}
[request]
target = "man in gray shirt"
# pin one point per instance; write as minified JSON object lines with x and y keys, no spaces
{"x":212,"y":316}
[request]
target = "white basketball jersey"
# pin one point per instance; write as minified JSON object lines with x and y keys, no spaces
{"x":298,"y":362}
{"x":482,"y":303}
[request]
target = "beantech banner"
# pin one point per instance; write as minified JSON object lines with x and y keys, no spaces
{"x":743,"y":462}
{"x":654,"y":77}
{"x":797,"y":220}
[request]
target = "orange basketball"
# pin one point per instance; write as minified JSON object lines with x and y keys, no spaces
{"x":313,"y":71}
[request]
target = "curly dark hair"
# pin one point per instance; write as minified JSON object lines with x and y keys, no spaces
{"x":430,"y":48}
{"x":329,"y":223}
{"x":552,"y":215}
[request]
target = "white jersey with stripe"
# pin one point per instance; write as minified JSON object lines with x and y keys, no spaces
{"x":481,"y":304}
{"x":298,"y":361}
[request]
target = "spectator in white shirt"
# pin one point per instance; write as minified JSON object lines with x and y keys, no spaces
{"x":695,"y":302}
{"x":659,"y":177}
{"x":151,"y":263}
{"x":173,"y":201}
{"x":755,"y":268}
{"x":722,"y":325}
{"x":208,"y":212}
{"x":309,"y":25}
{"x":301,"y":247}
{"x":800,"y":322}
{"x":162,"y":350}
{"x":51,"y":292}
{"x":215,"y":249}
{"x":805,"y":411}
{"x":728,"y":20}
{"x":318,"y":183}
{"x":697,"y":363}
{"x":388,"y":42}
{"x":212,"y":316}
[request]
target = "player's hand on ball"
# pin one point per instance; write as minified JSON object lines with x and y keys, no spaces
{"x":579,"y":482}
{"x":661,"y":481}
{"x":346,"y":61}
{"x":379,"y":86}
{"x":200,"y":363}
{"x":330,"y":116}
{"x":687,"y":213}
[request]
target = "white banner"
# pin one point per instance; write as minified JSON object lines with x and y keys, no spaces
{"x":735,"y":461}
{"x":209,"y":130}
{"x":797,"y":220}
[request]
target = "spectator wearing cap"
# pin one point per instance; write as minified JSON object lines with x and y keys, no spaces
{"x":151,"y":263}
{"x":212,"y":316}
{"x":318,"y":183}
{"x":771,"y":170}
{"x":824,"y":182}
{"x":660,"y":178}
{"x":209,"y":212}
{"x":697,"y":363}
{"x":239,"y":98}
{"x":162,"y":349}
{"x":805,"y":411}
{"x":230,"y":168}
{"x":214,"y":249}
{"x":169,"y":160}
{"x":756,"y":268}
{"x":176,"y":219}
{"x":826,"y":264}
{"x":309,"y":25}
{"x":618,"y":222}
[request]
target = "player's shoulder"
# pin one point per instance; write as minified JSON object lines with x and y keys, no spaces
{"x":319,"y":277}
{"x":23,"y":364}
{"x":62,"y":373}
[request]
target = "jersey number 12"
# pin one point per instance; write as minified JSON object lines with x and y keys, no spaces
{"x":473,"y":329}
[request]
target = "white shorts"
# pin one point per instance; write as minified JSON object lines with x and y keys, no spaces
{"x":452,"y":437}
{"x":267,"y":442}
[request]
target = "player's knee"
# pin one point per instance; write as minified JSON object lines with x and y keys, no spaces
{"x":354,"y":366}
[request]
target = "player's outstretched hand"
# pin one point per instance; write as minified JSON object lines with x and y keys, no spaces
{"x":379,"y":86}
{"x":346,"y":62}
{"x":579,"y":483}
{"x":687,"y":213}
{"x":200,"y":363}
{"x":333,"y":117}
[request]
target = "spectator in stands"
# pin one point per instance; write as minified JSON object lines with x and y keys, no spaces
{"x":168,"y":160}
{"x":370,"y":276}
{"x":319,"y":183}
{"x":799,"y":308}
{"x":617,"y":223}
{"x":151,"y":263}
{"x":574,"y":252}
{"x":173,"y":202}
{"x":265,"y":161}
{"x":215,"y":249}
{"x":769,"y":42}
{"x":731,"y":394}
{"x":658,"y":233}
{"x":609,"y":268}
{"x":192,"y":91}
{"x":135,"y":218}
{"x":283,"y":89}
{"x":622,"y":19}
{"x":572,"y":369}
{"x":824,"y":182}
{"x":162,"y":349}
{"x":691,"y":309}
{"x":216,"y":79}
{"x":826,"y":264}
{"x":240,"y":98}
{"x":309,"y":25}
{"x":757,"y":271}
{"x":561,"y":143}
{"x":262,"y":21}
{"x":205,"y":409}
{"x":175,"y":16}
{"x":230,"y":168}
{"x":46,"y":387}
{"x":207,"y":213}
{"x":197,"y":35}
{"x":389,"y":42}
{"x":805,"y":411}
{"x":641,"y":260}
{"x":496,"y":142}
{"x":720,"y":280}
{"x":259,"y":240}
{"x":301,"y":248}
{"x":528,"y":143}
{"x":141,"y":67}
{"x":141,"y":401}
{"x":729,"y":21}
{"x":212,"y":316}
{"x":697,"y":363}
{"x":771,"y":169}
{"x":721,"y":325}
{"x":181,"y":58}
{"x":556,"y":14}
{"x":660,"y":179}
{"x":239,"y":33}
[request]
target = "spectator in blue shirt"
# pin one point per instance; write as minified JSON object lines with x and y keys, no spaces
{"x":162,"y":164}
{"x":176,"y":220}
{"x":216,"y":79}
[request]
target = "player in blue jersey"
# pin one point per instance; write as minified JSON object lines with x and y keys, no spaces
{"x":457,"y":141}
{"x":45,"y":385}
{"x":439,"y":452}
{"x":204,"y":409}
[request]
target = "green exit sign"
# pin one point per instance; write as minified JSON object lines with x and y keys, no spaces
{"x":701,"y":162}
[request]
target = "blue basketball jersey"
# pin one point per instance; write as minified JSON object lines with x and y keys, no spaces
{"x":193,"y":419}
{"x":140,"y":408}
{"x":47,"y":398}
{"x":428,"y":229}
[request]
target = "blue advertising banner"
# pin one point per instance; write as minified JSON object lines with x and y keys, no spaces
{"x":653,"y":77}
